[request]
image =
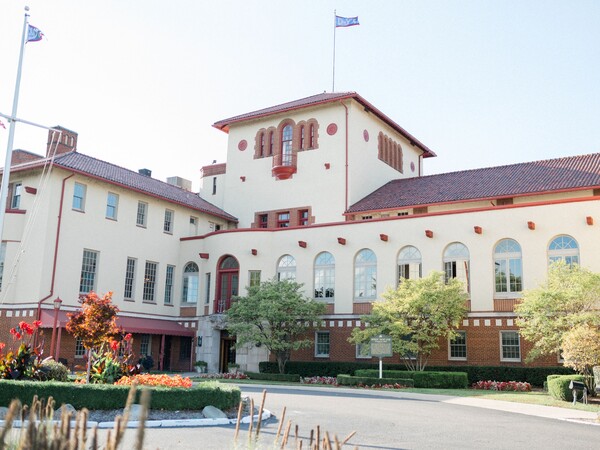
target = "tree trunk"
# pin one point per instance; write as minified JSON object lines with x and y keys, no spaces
{"x":282,"y":358}
{"x":89,"y":366}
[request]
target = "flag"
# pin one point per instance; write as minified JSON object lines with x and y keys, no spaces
{"x":346,"y":21}
{"x":34,"y":34}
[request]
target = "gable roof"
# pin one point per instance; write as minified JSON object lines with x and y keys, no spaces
{"x":562,"y":174}
{"x":320,"y":99}
{"x":111,"y":173}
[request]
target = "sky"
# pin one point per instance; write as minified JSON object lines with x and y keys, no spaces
{"x":480,"y":82}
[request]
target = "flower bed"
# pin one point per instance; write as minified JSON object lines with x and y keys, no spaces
{"x":156,"y":380}
{"x":319,"y":380}
{"x":224,"y":376}
{"x":518,"y":386}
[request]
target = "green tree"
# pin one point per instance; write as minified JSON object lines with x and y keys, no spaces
{"x":95,"y":323}
{"x":277,"y":315}
{"x":417,"y":315}
{"x":581,"y":350}
{"x":570,"y":297}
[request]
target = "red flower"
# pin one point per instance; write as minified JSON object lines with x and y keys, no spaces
{"x":2,"y":345}
{"x":37,"y":323}
{"x":127,"y":337}
{"x":114,"y":345}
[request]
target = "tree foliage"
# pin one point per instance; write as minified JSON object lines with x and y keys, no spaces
{"x":581,"y":348}
{"x":416,"y":315}
{"x":570,"y":297}
{"x":274,"y":314}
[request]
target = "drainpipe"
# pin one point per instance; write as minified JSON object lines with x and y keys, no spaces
{"x":62,"y":198}
{"x":346,"y":183}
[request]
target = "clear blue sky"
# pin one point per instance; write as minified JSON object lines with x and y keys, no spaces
{"x":480,"y":82}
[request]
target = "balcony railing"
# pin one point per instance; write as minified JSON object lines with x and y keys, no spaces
{"x":284,"y":165}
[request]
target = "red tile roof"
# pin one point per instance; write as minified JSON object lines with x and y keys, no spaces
{"x":319,"y":99}
{"x":569,"y":173}
{"x":114,"y":174}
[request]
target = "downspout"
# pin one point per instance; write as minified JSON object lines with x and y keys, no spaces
{"x":346,"y":186}
{"x":62,"y":198}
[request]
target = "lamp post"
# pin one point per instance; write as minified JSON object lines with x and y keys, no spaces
{"x":57,"y":304}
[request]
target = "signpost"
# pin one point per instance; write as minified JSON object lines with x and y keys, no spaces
{"x":381,"y":347}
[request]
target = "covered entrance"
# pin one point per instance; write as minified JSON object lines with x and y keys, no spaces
{"x":227,"y":353}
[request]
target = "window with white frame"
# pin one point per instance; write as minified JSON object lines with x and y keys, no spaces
{"x":286,"y":268}
{"x":508,"y":267}
{"x":112,"y":203}
{"x":325,"y":276}
{"x":150,"y":281}
{"x":169,"y":285}
{"x":363,"y":350}
{"x":79,"y":348}
{"x":79,"y":197}
{"x":142,"y":214}
{"x":322,"y":344}
{"x":145,"y":344}
{"x":2,"y":259}
{"x":168,"y":223}
{"x":365,"y":275}
{"x":190,"y":283}
{"x":456,"y":263}
{"x":89,"y":265}
{"x":563,"y":248}
{"x":457,"y":347}
{"x":16,"y":191}
{"x":409,"y":264}
{"x":254,"y":277}
{"x":510,"y":346}
{"x":129,"y":278}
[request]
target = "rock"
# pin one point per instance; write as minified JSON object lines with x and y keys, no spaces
{"x":3,"y":411}
{"x":68,"y":408}
{"x":210,"y":412}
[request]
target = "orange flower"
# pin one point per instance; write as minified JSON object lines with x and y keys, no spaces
{"x":114,"y":345}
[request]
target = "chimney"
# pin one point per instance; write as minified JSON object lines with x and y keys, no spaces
{"x":180,"y":182}
{"x":145,"y":172}
{"x":60,"y":140}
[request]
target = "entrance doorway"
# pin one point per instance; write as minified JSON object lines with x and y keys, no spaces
{"x":227,"y":354}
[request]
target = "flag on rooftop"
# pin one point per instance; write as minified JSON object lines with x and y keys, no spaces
{"x":346,"y":21}
{"x":34,"y":34}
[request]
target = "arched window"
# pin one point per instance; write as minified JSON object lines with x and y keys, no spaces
{"x":286,"y":145}
{"x":190,"y":283}
{"x":365,"y":275}
{"x":456,"y":263}
{"x":563,"y":248}
{"x":262,"y":144}
{"x":325,"y":276}
{"x":409,"y":263}
{"x":312,"y":137}
{"x":271,"y":143}
{"x":286,"y":268}
{"x":227,"y":283}
{"x":302,"y":137}
{"x":508,"y":266}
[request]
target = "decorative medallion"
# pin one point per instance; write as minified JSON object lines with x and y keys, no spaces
{"x":242,"y":145}
{"x":412,"y":166}
{"x":331,"y":129}
{"x":366,"y":135}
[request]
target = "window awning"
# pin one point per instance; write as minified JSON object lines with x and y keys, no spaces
{"x":129,"y":324}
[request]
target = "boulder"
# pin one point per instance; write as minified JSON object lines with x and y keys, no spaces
{"x":210,"y":412}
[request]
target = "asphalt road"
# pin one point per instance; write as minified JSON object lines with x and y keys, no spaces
{"x":382,"y":420}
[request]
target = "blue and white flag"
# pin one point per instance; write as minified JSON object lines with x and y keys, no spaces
{"x":34,"y":34}
{"x":346,"y":21}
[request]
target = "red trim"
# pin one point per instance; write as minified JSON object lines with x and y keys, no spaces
{"x":383,"y":237}
{"x":203,"y":255}
{"x":478,"y":230}
{"x":327,"y":166}
{"x":15,"y":211}
{"x":30,"y":190}
{"x":341,"y":241}
{"x":589,"y":220}
{"x":302,"y":244}
{"x":254,"y":251}
{"x":531,"y":225}
{"x":429,"y":233}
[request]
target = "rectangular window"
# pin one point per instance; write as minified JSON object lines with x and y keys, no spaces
{"x":149,"y":281}
{"x":263,"y":221}
{"x":193,"y":226}
{"x":254,"y":277}
{"x":363,"y":351}
{"x":2,"y":259}
{"x":169,"y":285}
{"x":322,"y":344}
{"x":129,"y":278}
{"x":458,"y":346}
{"x":214,"y":186}
{"x":89,"y":265}
{"x":510,"y":346}
{"x":79,"y":197}
{"x":303,"y":217}
{"x":79,"y":348}
{"x":207,"y":289}
{"x":145,"y":344}
{"x":112,"y":202}
{"x":17,"y":189}
{"x":142,"y":213}
{"x":168,"y":225}
{"x":283,"y":220}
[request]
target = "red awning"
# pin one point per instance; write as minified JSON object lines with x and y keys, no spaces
{"x":129,"y":324}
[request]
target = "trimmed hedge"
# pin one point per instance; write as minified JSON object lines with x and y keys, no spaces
{"x":536,"y":376}
{"x":347,"y":380}
{"x":109,"y":396}
{"x":558,"y":386}
{"x":293,"y":377}
{"x":429,"y":379}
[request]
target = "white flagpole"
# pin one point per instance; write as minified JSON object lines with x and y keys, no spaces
{"x":11,"y":131}
{"x":334,"y":27}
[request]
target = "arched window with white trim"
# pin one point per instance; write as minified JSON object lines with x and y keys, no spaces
{"x":409,"y":263}
{"x":365,"y":275}
{"x":563,"y":248}
{"x":325,"y":277}
{"x":190,"y":283}
{"x":286,"y":268}
{"x":508,"y":267}
{"x":456,"y":263}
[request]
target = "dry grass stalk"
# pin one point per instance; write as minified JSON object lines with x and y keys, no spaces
{"x":251,"y":421}
{"x":280,"y":425}
{"x":145,"y":406}
{"x":239,"y":421}
{"x":286,"y":434}
{"x":260,"y":411}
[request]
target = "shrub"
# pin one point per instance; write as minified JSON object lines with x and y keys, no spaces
{"x":294,"y":378}
{"x":518,"y":386}
{"x":348,"y":380}
{"x":558,"y":386}
{"x":54,"y":371}
{"x":426,"y":379}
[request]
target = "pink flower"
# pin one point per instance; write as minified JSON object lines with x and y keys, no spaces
{"x":127,"y":337}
